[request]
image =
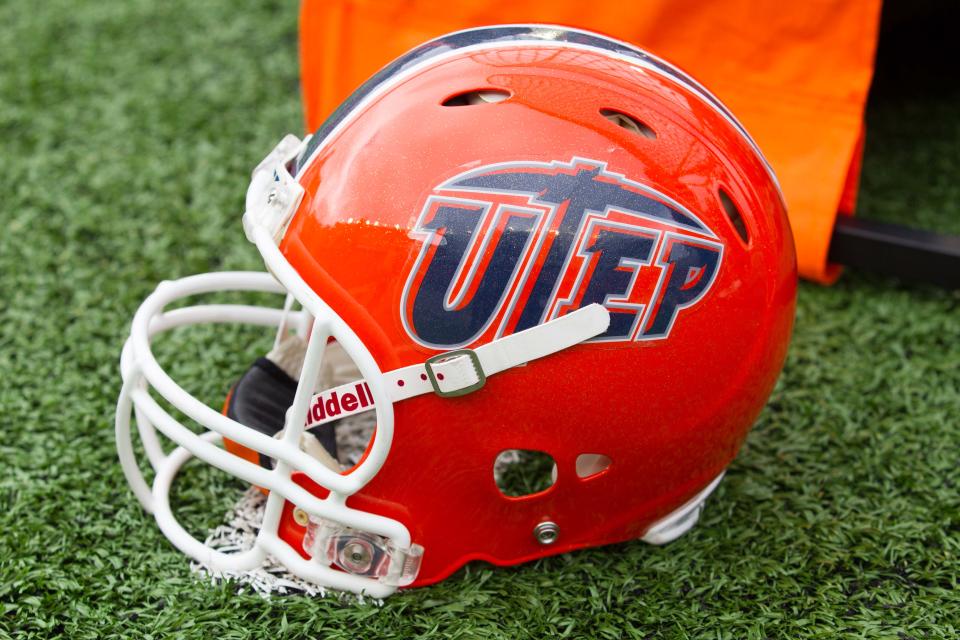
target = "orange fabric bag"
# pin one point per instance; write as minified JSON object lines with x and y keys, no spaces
{"x":796,"y":74}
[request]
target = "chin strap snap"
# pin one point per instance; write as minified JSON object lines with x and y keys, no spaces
{"x":462,"y":371}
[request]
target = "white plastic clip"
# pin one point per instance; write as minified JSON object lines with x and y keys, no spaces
{"x":274,"y":195}
{"x":362,"y":554}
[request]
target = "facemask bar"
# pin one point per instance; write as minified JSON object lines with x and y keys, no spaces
{"x":344,"y":534}
{"x":140,"y":371}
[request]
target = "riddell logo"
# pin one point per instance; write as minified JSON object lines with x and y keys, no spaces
{"x":339,"y":402}
{"x":509,"y":246}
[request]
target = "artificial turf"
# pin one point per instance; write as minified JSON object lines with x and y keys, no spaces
{"x":127,"y":132}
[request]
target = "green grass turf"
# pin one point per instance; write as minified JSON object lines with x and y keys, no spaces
{"x":127,"y":131}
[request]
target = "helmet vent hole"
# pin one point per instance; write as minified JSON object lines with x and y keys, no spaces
{"x":522,"y":472}
{"x":592,"y":464}
{"x":629,"y":123}
{"x":734,"y":214}
{"x":475,"y":97}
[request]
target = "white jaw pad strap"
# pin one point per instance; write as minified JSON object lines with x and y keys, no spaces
{"x":464,"y":370}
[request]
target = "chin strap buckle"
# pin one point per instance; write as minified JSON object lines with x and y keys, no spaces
{"x":455,"y":373}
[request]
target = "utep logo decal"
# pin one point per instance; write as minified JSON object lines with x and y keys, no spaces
{"x":509,"y":246}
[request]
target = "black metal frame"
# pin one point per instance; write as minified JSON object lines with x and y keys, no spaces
{"x":891,"y":249}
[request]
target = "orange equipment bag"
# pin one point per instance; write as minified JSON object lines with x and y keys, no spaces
{"x":795,"y":73}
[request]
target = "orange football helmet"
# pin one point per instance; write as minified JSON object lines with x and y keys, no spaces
{"x":519,"y":237}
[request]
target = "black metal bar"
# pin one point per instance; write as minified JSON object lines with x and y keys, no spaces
{"x":892,"y":249}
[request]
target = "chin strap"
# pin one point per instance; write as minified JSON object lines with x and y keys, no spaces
{"x":461,"y":371}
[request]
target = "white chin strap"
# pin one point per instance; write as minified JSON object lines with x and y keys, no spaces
{"x":462,"y":371}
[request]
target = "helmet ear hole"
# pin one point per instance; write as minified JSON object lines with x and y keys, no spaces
{"x":522,"y":472}
{"x":628,"y":122}
{"x":476,"y":97}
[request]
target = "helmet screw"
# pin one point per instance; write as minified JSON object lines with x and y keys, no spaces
{"x":546,"y":532}
{"x":300,"y":516}
{"x":356,"y":557}
{"x":357,"y":553}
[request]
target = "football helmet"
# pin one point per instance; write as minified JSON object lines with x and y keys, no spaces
{"x":516,"y":238}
